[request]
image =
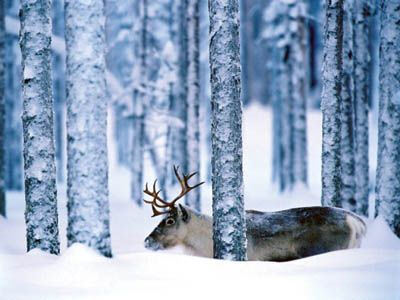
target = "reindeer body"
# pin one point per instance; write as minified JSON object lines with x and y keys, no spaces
{"x":271,"y":236}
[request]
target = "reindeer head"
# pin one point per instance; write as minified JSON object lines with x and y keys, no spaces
{"x":172,"y":229}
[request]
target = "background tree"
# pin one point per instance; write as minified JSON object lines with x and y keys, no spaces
{"x":87,"y":180}
{"x":347,"y":112}
{"x":140,"y":99}
{"x":37,"y":117}
{"x":332,"y":73}
{"x":362,"y":14}
{"x":388,"y":170}
{"x":13,"y":109}
{"x":229,"y":233}
{"x":286,"y":36}
{"x":58,"y":64}
{"x":193,"y":101}
{"x":2,"y":108}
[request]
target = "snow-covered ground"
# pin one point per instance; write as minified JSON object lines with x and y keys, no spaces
{"x":372,"y":272}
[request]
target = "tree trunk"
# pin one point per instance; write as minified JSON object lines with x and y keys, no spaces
{"x":332,"y":73}
{"x":347,"y":117}
{"x":299,"y":85}
{"x":13,"y":109}
{"x":2,"y":109}
{"x":388,"y":171}
{"x":229,"y":233}
{"x":37,"y":118}
{"x":87,"y":165}
{"x":59,"y":89}
{"x":140,"y":98}
{"x":193,"y":101}
{"x":180,"y":105}
{"x":362,"y":13}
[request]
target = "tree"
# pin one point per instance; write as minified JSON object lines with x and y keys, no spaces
{"x":286,"y":37}
{"x":87,"y":165}
{"x":388,"y":169}
{"x":347,"y":112}
{"x":229,"y":234}
{"x":362,"y":13}
{"x":59,"y":88}
{"x":13,"y":109}
{"x":332,"y":73}
{"x":300,"y":87}
{"x":39,"y":154}
{"x":180,"y":105}
{"x":2,"y":109}
{"x":193,"y":101}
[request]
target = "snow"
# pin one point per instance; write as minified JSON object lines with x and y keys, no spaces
{"x":371,"y":272}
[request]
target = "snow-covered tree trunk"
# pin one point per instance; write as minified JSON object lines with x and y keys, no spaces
{"x":362,"y":13}
{"x":87,"y":165}
{"x":299,"y":87}
{"x":286,"y":140}
{"x":140,"y":99}
{"x":388,"y":170}
{"x":193,"y":101}
{"x":347,"y":113}
{"x":180,"y":105}
{"x":229,"y":233}
{"x":59,"y":89}
{"x":2,"y":108}
{"x":244,"y":53}
{"x":13,"y":126}
{"x":332,"y":73}
{"x":37,"y":118}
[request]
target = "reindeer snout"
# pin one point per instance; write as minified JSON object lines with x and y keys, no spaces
{"x":152,"y":244}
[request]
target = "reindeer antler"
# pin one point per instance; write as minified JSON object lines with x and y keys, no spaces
{"x":158,"y":202}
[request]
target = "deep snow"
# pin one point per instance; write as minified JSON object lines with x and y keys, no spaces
{"x":372,"y":272}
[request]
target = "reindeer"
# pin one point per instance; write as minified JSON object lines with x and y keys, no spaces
{"x":271,"y":236}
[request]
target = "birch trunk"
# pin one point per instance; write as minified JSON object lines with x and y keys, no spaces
{"x":362,"y":13}
{"x":347,"y":112}
{"x":2,"y":109}
{"x":229,"y":233}
{"x":87,"y":165}
{"x":193,"y":101}
{"x":332,"y":73}
{"x":388,"y":170}
{"x":37,"y":118}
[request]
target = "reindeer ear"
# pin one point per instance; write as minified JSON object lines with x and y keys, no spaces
{"x":185,"y":215}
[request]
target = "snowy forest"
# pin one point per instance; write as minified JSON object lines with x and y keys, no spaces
{"x":231,"y":148}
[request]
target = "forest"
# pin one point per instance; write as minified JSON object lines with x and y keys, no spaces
{"x":233,"y":148}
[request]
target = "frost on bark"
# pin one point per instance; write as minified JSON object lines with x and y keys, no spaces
{"x":140,"y":98}
{"x":229,"y":234}
{"x":388,"y":170}
{"x":286,"y":34}
{"x":299,"y":87}
{"x":332,"y":71}
{"x":362,"y":14}
{"x":13,"y":109}
{"x":180,"y":105}
{"x":87,"y":166}
{"x":58,"y":64}
{"x":2,"y":109}
{"x":37,"y":119}
{"x":347,"y":113}
{"x":193,"y":101}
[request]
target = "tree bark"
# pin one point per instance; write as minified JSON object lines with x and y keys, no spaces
{"x":362,"y":13}
{"x":388,"y":170}
{"x":2,"y":109}
{"x":37,"y":118}
{"x":193,"y":101}
{"x":332,"y":73}
{"x":87,"y":165}
{"x":229,"y":233}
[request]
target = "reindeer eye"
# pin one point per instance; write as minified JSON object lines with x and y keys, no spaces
{"x":170,"y":221}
